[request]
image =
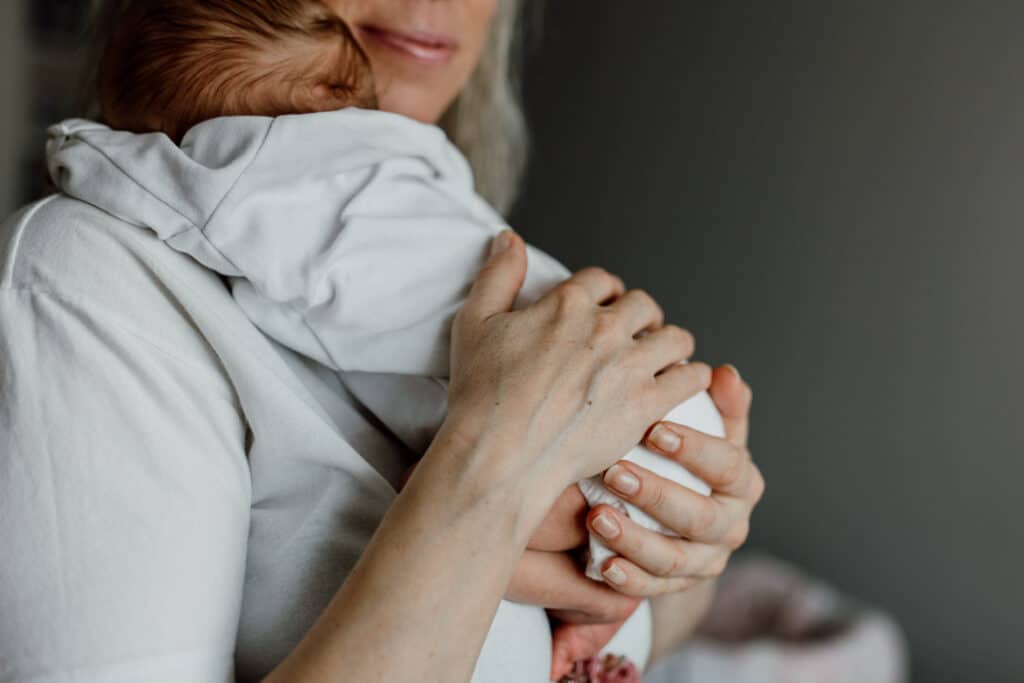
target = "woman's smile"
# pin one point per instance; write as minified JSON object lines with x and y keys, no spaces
{"x":422,"y":46}
{"x":422,"y":52}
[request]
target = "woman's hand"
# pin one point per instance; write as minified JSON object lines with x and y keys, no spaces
{"x":538,"y":399}
{"x":711,"y":528}
{"x":557,"y":391}
{"x":549,"y":575}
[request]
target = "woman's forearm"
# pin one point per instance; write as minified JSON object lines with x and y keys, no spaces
{"x":419,"y":603}
{"x":676,"y":617}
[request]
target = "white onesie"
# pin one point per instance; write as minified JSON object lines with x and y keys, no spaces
{"x":351,"y":237}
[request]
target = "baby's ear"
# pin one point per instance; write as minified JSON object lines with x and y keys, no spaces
{"x":349,"y":77}
{"x":337,"y":69}
{"x":331,"y":96}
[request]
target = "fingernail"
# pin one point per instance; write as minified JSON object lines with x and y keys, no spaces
{"x":735,"y":371}
{"x":665,"y":439}
{"x":614,"y":575}
{"x":502,"y":242}
{"x":620,"y":479}
{"x":605,"y":526}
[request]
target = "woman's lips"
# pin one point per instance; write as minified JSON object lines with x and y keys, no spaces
{"x":425,"y":47}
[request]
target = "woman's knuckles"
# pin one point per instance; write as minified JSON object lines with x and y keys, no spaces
{"x":737,"y":535}
{"x":606,"y":334}
{"x":572,"y":300}
{"x":644,"y":303}
{"x":672,"y":563}
{"x":680,"y":340}
{"x":704,"y":515}
{"x":725,"y":466}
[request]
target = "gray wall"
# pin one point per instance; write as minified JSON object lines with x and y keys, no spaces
{"x":11,"y":107}
{"x":829,"y":195}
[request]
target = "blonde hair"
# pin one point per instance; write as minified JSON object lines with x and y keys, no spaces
{"x":485,"y":122}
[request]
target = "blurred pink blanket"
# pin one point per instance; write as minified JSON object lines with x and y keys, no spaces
{"x":771,"y":623}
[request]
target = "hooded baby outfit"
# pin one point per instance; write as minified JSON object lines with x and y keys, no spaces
{"x":351,"y":237}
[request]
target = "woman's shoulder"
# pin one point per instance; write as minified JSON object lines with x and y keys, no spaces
{"x":123,"y":450}
{"x":94,"y":264}
{"x":68,"y":247}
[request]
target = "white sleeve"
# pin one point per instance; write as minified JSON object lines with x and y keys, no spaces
{"x":124,"y":502}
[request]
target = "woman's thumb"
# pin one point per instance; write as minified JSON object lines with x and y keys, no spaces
{"x":499,"y":281}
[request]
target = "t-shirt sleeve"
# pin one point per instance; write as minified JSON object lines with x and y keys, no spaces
{"x":124,"y":501}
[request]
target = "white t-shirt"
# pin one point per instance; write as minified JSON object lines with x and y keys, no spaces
{"x":180,"y":497}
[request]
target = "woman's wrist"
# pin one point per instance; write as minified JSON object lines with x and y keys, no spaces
{"x":443,"y":555}
{"x":486,"y":470}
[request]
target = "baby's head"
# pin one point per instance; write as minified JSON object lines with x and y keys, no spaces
{"x":171,"y":64}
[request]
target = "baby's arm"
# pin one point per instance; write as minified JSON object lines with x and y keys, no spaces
{"x":363,"y":262}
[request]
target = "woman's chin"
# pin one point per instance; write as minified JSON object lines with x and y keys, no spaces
{"x":419,"y":106}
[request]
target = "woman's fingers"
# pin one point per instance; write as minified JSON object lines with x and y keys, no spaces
{"x":724,"y":465}
{"x":499,"y":281}
{"x":631,"y":580}
{"x":691,"y":515}
{"x":637,"y":311}
{"x":732,"y":397}
{"x":590,"y":287}
{"x":722,"y":517}
{"x":679,"y":382}
{"x":600,"y":285}
{"x":710,"y":527}
{"x":664,"y":347}
{"x":554,"y":581}
{"x":657,"y":554}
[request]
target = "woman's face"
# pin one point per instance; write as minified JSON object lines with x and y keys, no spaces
{"x":422,"y":51}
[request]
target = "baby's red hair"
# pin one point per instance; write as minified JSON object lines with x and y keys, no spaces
{"x":171,"y":64}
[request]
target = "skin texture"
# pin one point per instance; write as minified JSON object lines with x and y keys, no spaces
{"x":535,"y":404}
{"x":419,"y":88}
{"x":587,"y":614}
{"x":738,"y":485}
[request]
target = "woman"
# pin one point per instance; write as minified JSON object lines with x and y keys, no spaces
{"x":164,"y":493}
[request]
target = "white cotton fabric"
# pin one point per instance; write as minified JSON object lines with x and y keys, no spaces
{"x":351,"y":237}
{"x":181,"y":493}
{"x":180,"y":497}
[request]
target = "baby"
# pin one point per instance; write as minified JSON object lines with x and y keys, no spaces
{"x":348,"y":235}
{"x":174,"y":63}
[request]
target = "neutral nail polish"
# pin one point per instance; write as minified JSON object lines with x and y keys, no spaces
{"x":502,"y":242}
{"x":614,"y":575}
{"x":665,"y":439}
{"x":620,"y":479}
{"x":605,"y":526}
{"x":735,"y":371}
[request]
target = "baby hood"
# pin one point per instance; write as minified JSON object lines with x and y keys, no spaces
{"x":265,"y":173}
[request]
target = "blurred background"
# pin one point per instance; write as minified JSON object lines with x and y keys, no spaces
{"x":830,"y":196}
